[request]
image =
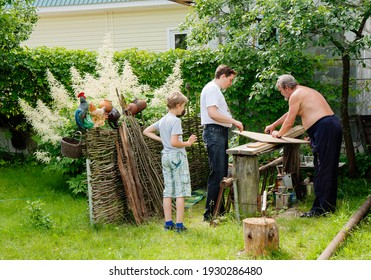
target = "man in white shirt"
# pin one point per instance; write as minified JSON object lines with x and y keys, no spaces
{"x":216,"y":119}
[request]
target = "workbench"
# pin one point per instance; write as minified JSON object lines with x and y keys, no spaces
{"x":246,"y":168}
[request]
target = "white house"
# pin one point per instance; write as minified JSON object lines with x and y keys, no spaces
{"x":82,"y":24}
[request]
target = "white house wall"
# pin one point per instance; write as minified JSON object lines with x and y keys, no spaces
{"x":145,"y":28}
{"x":364,"y":78}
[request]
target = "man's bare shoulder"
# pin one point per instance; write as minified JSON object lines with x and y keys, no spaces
{"x":305,"y":92}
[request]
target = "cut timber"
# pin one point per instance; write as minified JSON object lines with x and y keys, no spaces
{"x":260,"y":235}
{"x":267,"y":138}
{"x":255,"y":144}
{"x":267,"y":147}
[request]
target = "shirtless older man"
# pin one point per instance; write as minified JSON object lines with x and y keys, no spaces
{"x":324,"y":130}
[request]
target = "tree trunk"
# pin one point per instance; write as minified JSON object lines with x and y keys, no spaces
{"x":345,"y":117}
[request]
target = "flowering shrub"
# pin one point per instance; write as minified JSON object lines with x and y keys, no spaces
{"x":53,"y":122}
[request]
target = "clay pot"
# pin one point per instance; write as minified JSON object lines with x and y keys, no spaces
{"x":114,"y":115}
{"x":141,"y":104}
{"x":107,"y":104}
{"x":113,"y":118}
{"x":132,"y":108}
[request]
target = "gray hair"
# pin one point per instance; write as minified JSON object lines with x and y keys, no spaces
{"x":286,"y":81}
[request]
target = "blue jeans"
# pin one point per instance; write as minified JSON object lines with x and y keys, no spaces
{"x":216,"y":140}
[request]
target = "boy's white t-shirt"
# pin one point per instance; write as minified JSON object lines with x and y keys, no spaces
{"x":211,"y":95}
{"x":170,"y":125}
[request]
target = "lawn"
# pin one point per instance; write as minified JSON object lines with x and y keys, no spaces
{"x":71,"y":237}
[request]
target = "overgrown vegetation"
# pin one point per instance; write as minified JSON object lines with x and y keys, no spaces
{"x":73,"y":238}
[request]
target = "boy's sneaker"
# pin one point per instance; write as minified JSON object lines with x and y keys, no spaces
{"x":180,"y":229}
{"x":168,"y":227}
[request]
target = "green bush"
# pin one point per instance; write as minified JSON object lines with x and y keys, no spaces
{"x":23,"y":75}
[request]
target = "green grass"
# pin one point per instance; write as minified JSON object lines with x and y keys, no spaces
{"x":73,"y":238}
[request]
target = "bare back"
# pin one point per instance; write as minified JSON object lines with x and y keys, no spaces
{"x":312,"y":106}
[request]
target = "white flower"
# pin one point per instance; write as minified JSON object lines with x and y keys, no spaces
{"x":173,"y":83}
{"x":42,"y":156}
{"x":59,"y":94}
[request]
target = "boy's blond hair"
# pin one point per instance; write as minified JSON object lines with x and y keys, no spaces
{"x":176,"y":98}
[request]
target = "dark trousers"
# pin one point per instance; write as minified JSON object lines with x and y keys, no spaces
{"x":216,"y":140}
{"x":326,"y":138}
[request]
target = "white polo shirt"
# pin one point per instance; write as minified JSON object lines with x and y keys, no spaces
{"x":211,"y":95}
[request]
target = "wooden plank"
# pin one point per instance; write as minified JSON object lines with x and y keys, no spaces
{"x":267,"y":147}
{"x":255,"y":144}
{"x":267,"y":138}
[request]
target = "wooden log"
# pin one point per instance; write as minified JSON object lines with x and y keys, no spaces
{"x":340,"y":237}
{"x":260,"y":235}
{"x":271,"y":164}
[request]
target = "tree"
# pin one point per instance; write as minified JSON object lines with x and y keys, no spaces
{"x":17,"y":18}
{"x":280,"y":29}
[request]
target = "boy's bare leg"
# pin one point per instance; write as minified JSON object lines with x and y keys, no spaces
{"x":180,"y":201}
{"x":167,"y":208}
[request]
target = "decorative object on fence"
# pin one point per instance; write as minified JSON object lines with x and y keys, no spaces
{"x":98,"y":114}
{"x":107,"y":199}
{"x":113,"y":118}
{"x":82,"y":117}
{"x":107,"y":104}
{"x":141,"y":104}
{"x":72,"y":147}
{"x":131,"y":109}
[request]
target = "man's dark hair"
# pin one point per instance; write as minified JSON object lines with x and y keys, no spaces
{"x":224,"y":69}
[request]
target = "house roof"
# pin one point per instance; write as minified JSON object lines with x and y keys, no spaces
{"x":80,"y":6}
{"x":184,"y":2}
{"x":56,"y":3}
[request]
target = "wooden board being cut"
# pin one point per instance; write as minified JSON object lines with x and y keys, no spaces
{"x":255,"y":144}
{"x":267,"y":138}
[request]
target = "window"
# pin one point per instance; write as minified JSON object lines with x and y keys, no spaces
{"x":177,"y":39}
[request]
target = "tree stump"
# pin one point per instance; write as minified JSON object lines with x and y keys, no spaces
{"x":260,"y":235}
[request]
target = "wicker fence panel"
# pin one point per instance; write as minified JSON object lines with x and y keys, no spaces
{"x":107,"y":198}
{"x":108,"y":201}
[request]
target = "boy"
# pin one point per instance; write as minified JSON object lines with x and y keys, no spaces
{"x":174,"y":159}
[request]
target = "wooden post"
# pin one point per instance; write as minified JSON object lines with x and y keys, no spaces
{"x":260,"y":235}
{"x":90,"y":192}
{"x":246,"y":173}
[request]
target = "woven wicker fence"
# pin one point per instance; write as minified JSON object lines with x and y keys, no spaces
{"x":107,"y":201}
{"x":124,"y":171}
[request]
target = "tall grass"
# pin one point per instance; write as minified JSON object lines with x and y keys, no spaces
{"x":71,"y":237}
